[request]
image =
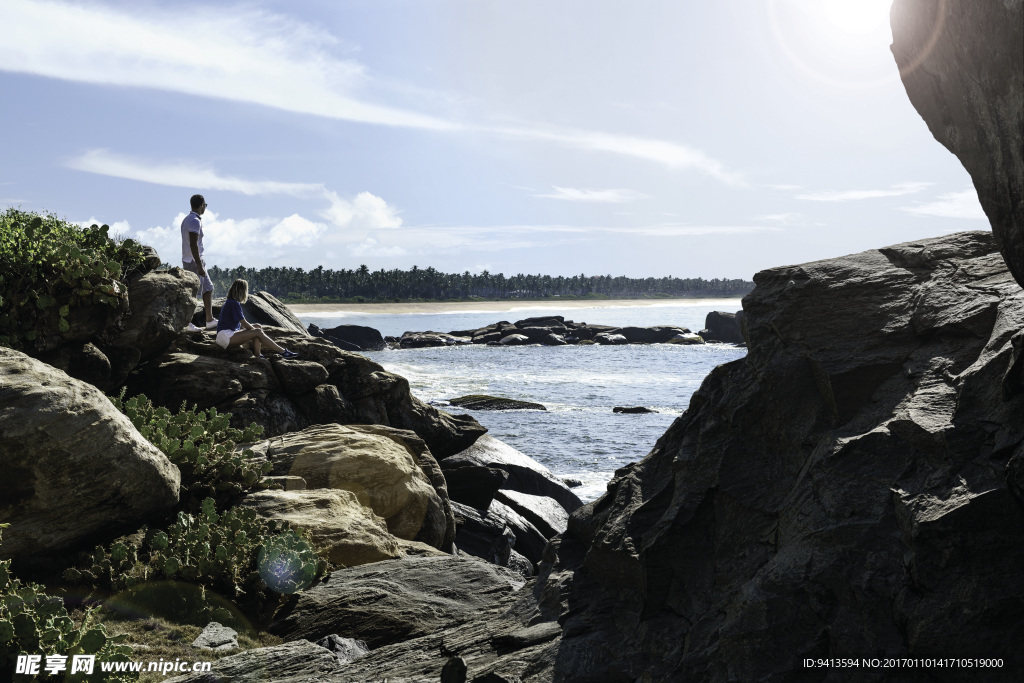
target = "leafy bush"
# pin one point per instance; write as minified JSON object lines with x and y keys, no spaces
{"x":49,"y":266}
{"x":34,"y":623}
{"x":235,"y":554}
{"x":201,"y":443}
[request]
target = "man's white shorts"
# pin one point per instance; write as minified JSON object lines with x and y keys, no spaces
{"x":224,"y":338}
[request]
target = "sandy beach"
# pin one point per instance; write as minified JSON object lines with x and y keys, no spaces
{"x":549,"y":307}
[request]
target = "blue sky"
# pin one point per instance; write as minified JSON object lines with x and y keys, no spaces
{"x":669,"y":137}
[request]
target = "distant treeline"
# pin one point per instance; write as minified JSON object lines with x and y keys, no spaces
{"x":360,"y":284}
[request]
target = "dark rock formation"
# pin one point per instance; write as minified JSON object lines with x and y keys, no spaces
{"x":548,"y":331}
{"x":351,"y":337}
{"x":72,"y":465}
{"x":297,"y":662}
{"x":395,"y":600}
{"x":482,"y":402}
{"x":722,"y":327}
{"x":962,"y":64}
{"x":325,"y":385}
{"x":262,"y":308}
{"x":524,"y":474}
{"x":474,"y":486}
{"x":840,"y":491}
{"x":632,"y":410}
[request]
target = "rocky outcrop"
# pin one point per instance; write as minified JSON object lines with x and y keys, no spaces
{"x":548,"y":331}
{"x":72,"y":464}
{"x":388,"y":471}
{"x":841,"y":490}
{"x":261,"y":308}
{"x":325,"y":385}
{"x":297,"y":662}
{"x":632,"y":410}
{"x":346,"y":530}
{"x":351,"y":337}
{"x":482,"y":402}
{"x":963,"y":68}
{"x":720,"y":326}
{"x":161,"y":304}
{"x":388,"y":602}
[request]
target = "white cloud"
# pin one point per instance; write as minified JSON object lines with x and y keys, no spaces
{"x":951,"y":205}
{"x":366,"y":211}
{"x":188,"y":174}
{"x":296,"y":231}
{"x":782,"y":218}
{"x":371,"y":247}
{"x":232,"y":53}
{"x":610,"y":196}
{"x":896,"y":190}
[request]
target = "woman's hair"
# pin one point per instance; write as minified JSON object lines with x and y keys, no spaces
{"x":239,"y":291}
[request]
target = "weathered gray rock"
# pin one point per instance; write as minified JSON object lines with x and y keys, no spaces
{"x":963,"y":68}
{"x":721,"y":326}
{"x":686,"y":339}
{"x":387,"y":470}
{"x":297,"y":662}
{"x":217,"y":637}
{"x":544,"y":513}
{"x":161,"y":303}
{"x":351,"y":337}
{"x":345,"y":649}
{"x":262,"y":308}
{"x":840,"y":490}
{"x":650,"y":335}
{"x":420,"y":340}
{"x":482,"y":402}
{"x":277,"y":394}
{"x":514,"y":340}
{"x":526,"y":475}
{"x":73,"y":465}
{"x":396,"y":600}
{"x":610,"y":339}
{"x":473,"y":485}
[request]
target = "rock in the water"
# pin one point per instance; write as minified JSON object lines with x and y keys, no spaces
{"x":610,"y":339}
{"x":348,"y":531}
{"x":345,"y":649}
{"x":840,"y":490}
{"x":217,"y":637}
{"x":686,"y":339}
{"x":351,"y":337}
{"x":396,"y":600}
{"x":420,"y":340}
{"x":297,"y":662}
{"x":482,"y":402}
{"x":963,"y":68}
{"x":650,"y":335}
{"x":380,"y":466}
{"x":514,"y":340}
{"x":632,"y":410}
{"x":526,"y":475}
{"x":73,"y":465}
{"x":722,"y":327}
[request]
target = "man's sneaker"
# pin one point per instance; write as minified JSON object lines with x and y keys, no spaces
{"x":193,"y":328}
{"x":212,"y":325}
{"x":289,"y":354}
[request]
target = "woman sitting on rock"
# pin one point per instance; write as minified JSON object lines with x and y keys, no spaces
{"x":231,"y":322}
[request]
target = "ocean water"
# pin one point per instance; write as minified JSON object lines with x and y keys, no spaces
{"x":578,"y":435}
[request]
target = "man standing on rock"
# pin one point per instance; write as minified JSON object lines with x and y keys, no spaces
{"x":192,"y":255}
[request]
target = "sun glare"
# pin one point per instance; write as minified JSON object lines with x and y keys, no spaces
{"x":841,"y":42}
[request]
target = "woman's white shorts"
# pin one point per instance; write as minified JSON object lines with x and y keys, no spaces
{"x":224,"y":338}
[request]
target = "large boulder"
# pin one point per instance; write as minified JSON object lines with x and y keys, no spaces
{"x":484,"y":402}
{"x":341,"y":525}
{"x":380,"y":466}
{"x":73,"y":465}
{"x":525,"y":474}
{"x":841,"y":490}
{"x":720,"y":326}
{"x":393,"y":601}
{"x":281,"y":395}
{"x":650,"y":335}
{"x":351,"y":337}
{"x":963,"y":68}
{"x":160,"y":303}
{"x":261,"y":308}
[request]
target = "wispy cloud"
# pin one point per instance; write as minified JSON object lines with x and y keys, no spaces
{"x":782,"y":218}
{"x":950,"y":205}
{"x":615,"y":196}
{"x":785,"y":187}
{"x":897,"y":190}
{"x":235,"y":53}
{"x":183,"y":174}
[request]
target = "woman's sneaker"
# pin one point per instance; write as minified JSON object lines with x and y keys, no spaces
{"x":289,"y":354}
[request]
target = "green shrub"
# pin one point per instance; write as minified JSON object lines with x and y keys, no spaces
{"x":49,"y":266}
{"x":202,"y":444}
{"x":34,"y":623}
{"x":234,"y":554}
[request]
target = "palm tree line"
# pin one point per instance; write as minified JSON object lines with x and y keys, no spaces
{"x":360,"y":284}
